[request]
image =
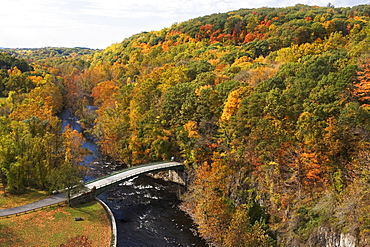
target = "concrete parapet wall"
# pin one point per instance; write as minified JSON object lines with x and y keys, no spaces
{"x":113,"y":222}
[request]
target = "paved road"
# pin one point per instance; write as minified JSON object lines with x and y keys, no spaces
{"x":97,"y":184}
{"x":35,"y":205}
{"x":126,"y":174}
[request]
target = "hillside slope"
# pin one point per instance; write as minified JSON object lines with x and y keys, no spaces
{"x":268,"y":108}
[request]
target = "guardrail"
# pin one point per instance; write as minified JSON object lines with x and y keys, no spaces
{"x":32,"y":210}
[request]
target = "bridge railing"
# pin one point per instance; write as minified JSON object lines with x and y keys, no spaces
{"x":32,"y":210}
{"x":127,"y":169}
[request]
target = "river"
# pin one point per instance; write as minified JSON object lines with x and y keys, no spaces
{"x":146,"y":209}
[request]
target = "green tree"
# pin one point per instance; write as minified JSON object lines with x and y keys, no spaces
{"x":18,"y":81}
{"x":67,"y":177}
{"x":243,"y":233}
{"x":69,"y":173}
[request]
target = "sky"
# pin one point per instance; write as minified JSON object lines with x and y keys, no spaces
{"x":99,"y":23}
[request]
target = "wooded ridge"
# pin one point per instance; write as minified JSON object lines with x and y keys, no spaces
{"x":268,"y":108}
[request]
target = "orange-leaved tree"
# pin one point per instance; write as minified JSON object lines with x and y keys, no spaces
{"x":361,"y":89}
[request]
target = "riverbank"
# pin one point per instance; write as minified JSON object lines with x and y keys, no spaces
{"x":56,"y":225}
{"x":145,"y":209}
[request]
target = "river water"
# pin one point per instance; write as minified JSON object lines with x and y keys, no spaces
{"x":146,"y":209}
{"x":147,"y":214}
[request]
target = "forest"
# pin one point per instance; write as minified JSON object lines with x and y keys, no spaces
{"x":269,"y":109}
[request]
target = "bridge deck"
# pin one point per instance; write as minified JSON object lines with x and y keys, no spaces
{"x":126,"y":174}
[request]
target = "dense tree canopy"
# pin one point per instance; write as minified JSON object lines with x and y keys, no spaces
{"x":268,"y":108}
{"x":33,"y":151}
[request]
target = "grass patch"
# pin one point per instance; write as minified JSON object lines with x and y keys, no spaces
{"x":31,"y":195}
{"x":56,"y":225}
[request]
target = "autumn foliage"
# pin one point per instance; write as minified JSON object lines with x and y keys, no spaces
{"x":362,"y":86}
{"x":267,"y":108}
